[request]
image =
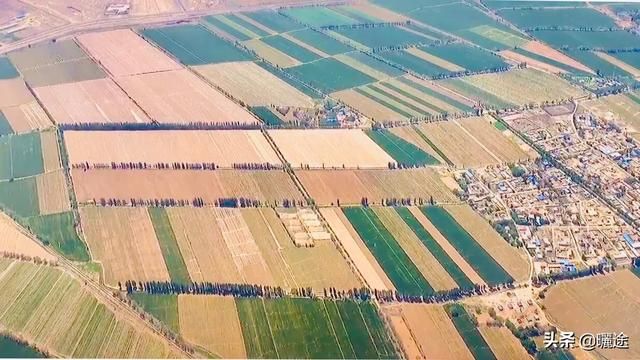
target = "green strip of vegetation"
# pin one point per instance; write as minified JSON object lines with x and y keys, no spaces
{"x":266,"y":115}
{"x":466,"y":327}
{"x":400,"y":150}
{"x":394,"y":261}
{"x":413,"y":97}
{"x":213,"y":20}
{"x":433,"y":146}
{"x":162,"y":307}
{"x":7,"y":70}
{"x":435,"y":94}
{"x":468,"y":89}
{"x":290,"y":48}
{"x":247,"y":25}
{"x":5,"y":127}
{"x":633,"y":96}
{"x":20,"y":197}
{"x":293,"y":82}
{"x":500,"y":126}
{"x":385,"y":103}
{"x":256,"y":331}
{"x":399,"y":100}
{"x":274,"y":21}
{"x":490,"y":271}
{"x":435,"y":249}
{"x":58,"y":230}
{"x":169,"y":246}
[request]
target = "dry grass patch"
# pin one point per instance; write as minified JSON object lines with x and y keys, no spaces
{"x":328,"y":187}
{"x":253,"y":85}
{"x":331,"y":148}
{"x":502,"y":343}
{"x":368,"y":107}
{"x":222,"y":147}
{"x":50,"y":151}
{"x":493,"y":140}
{"x":27,"y":117}
{"x":269,"y":187}
{"x":53,"y":194}
{"x":14,"y":92}
{"x":598,"y":304}
{"x":271,"y":54}
{"x":153,"y":7}
{"x":181,"y":97}
{"x":123,"y":53}
{"x":212,"y":322}
{"x":91,"y":101}
{"x":510,"y":258}
{"x":124,"y":241}
{"x":14,"y":240}
{"x":456,"y":144}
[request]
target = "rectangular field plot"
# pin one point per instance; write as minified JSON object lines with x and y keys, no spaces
{"x":55,"y":63}
{"x":19,"y":109}
{"x":123,"y":53}
{"x":230,"y":29}
{"x":14,"y":240}
{"x":224,"y":148}
{"x":274,"y":21}
{"x":405,"y":153}
{"x":426,"y":331}
{"x":350,"y":187}
{"x":569,"y":18}
{"x":301,"y":328}
{"x":383,"y":36}
{"x":21,"y":156}
{"x":604,"y":40}
{"x":267,"y":187}
{"x":503,"y":344}
{"x":53,"y":195}
{"x":56,"y":313}
{"x":247,"y":81}
{"x":181,"y":97}
{"x":7,"y":70}
{"x":290,"y":48}
{"x":623,"y":108}
{"x":271,"y":54}
{"x":344,"y":77}
{"x":329,"y":148}
{"x":467,"y":57}
{"x":316,"y":16}
{"x":194,"y":45}
{"x":470,"y":334}
{"x":93,"y":101}
{"x":124,"y":241}
{"x":59,"y":231}
{"x":320,"y":41}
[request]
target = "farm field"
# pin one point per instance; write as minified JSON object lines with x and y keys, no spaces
{"x":59,"y":231}
{"x":318,"y":16}
{"x":329,"y":148}
{"x":604,"y":40}
{"x":469,"y":332}
{"x":502,"y":343}
{"x":498,"y":145}
{"x":410,"y":135}
{"x":53,"y":311}
{"x":247,"y":82}
{"x":7,"y":70}
{"x":426,"y":331}
{"x":124,"y":242}
{"x":53,"y":195}
{"x":168,"y":245}
{"x":271,"y":54}
{"x":466,"y":57}
{"x":267,"y":187}
{"x":93,"y":101}
{"x":402,"y":151}
{"x":222,"y":147}
{"x":615,"y":61}
{"x":13,"y":240}
{"x":21,"y":156}
{"x":406,"y":105}
{"x":124,"y":53}
{"x":181,"y":97}
{"x":20,"y":197}
{"x":313,"y":74}
{"x":564,"y":18}
{"x":383,"y":36}
{"x":369,"y":65}
{"x":349,"y":187}
{"x":320,"y":42}
{"x":595,"y":304}
{"x":19,"y":109}
{"x":303,"y":54}
{"x":55,"y":63}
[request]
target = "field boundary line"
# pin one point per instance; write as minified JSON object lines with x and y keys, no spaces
{"x":345,"y":329}
{"x":333,"y":330}
{"x":369,"y":332}
{"x":93,"y":313}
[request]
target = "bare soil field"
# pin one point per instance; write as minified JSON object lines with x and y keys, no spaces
{"x":539,"y":48}
{"x":14,"y":241}
{"x":222,"y":147}
{"x":447,"y":247}
{"x":92,"y":101}
{"x":27,"y":117}
{"x":502,"y":343}
{"x":519,"y":58}
{"x":358,"y":252}
{"x":430,"y":331}
{"x":123,"y":52}
{"x":513,"y":260}
{"x":327,"y":187}
{"x":14,"y":92}
{"x":212,"y":322}
{"x":368,"y":107}
{"x":50,"y":151}
{"x":253,"y":85}
{"x":409,"y":134}
{"x":598,"y":304}
{"x":181,"y":97}
{"x":429,"y":267}
{"x":271,"y":54}
{"x":269,"y":187}
{"x":493,"y":140}
{"x":330,"y":148}
{"x":124,"y":242}
{"x":53,"y":195}
{"x":152,"y":7}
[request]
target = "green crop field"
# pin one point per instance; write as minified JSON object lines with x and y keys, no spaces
{"x":632,"y":58}
{"x":320,"y":41}
{"x":316,"y":16}
{"x":432,"y":245}
{"x":304,"y":328}
{"x":20,"y":156}
{"x":468,"y":331}
{"x":509,"y":4}
{"x":274,"y":21}
{"x":419,"y":99}
{"x":482,"y":262}
{"x":389,"y":100}
{"x":469,"y":57}
{"x":400,"y":150}
{"x":330,"y":75}
{"x":247,"y":25}
{"x":383,"y":36}
{"x":162,"y":307}
{"x":290,"y":48}
{"x":552,"y":18}
{"x":406,"y":6}
{"x":471,"y":91}
{"x":20,"y":197}
{"x":58,"y":231}
{"x":266,"y":115}
{"x":169,"y":246}
{"x":428,"y":32}
{"x":546,"y":60}
{"x":432,"y":93}
{"x":7,"y":70}
{"x":375,"y":64}
{"x":296,"y":83}
{"x":194,"y":45}
{"x":380,"y":98}
{"x":598,"y":64}
{"x":394,"y":261}
{"x":5,"y":127}
{"x":223,"y":23}
{"x":352,"y":12}
{"x":605,"y":40}
{"x":414,"y":63}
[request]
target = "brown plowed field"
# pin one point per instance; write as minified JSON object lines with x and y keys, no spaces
{"x":123,"y":53}
{"x":330,"y":148}
{"x":266,"y":186}
{"x":181,"y":97}
{"x":12,"y":240}
{"x":253,"y":85}
{"x":431,"y":330}
{"x":124,"y":242}
{"x":222,"y":147}
{"x":212,"y":322}
{"x":53,"y":195}
{"x":92,"y":101}
{"x":326,"y":187}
